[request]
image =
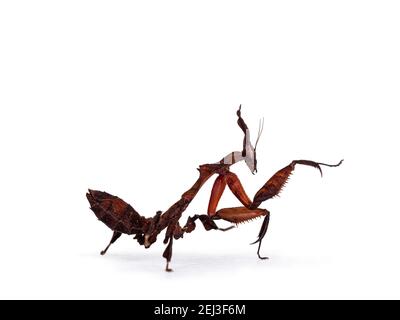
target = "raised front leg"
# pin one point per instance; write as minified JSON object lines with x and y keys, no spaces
{"x":276,"y":183}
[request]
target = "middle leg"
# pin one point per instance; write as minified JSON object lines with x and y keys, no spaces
{"x":207,"y":221}
{"x":261,"y":234}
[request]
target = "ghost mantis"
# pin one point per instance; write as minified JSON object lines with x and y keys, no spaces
{"x":122,"y":218}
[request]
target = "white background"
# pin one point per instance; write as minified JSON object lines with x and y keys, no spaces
{"x":131,"y":97}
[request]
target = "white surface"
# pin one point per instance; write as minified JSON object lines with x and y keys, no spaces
{"x":131,"y":98}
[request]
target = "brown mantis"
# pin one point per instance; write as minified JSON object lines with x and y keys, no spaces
{"x":123,"y":219}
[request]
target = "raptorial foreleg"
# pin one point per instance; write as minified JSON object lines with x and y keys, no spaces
{"x":276,"y":183}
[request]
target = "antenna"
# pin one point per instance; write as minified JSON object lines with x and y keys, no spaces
{"x":260,"y":130}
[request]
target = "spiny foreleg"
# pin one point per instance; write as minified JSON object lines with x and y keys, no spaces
{"x":276,"y":183}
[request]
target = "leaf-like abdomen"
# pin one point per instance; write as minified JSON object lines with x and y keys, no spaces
{"x":115,"y":212}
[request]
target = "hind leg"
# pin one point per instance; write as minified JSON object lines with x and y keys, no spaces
{"x":114,"y":238}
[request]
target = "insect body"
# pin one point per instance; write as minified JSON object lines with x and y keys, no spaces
{"x":123,"y":219}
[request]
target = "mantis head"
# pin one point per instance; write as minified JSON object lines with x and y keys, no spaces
{"x":250,"y":152}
